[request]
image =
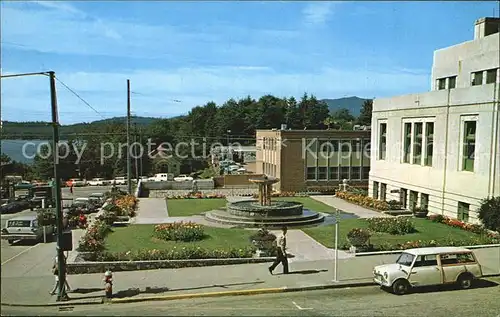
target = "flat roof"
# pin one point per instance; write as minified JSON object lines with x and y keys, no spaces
{"x":435,"y":250}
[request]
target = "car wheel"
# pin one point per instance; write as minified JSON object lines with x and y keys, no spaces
{"x":11,"y":242}
{"x":400,"y":287}
{"x":465,"y":281}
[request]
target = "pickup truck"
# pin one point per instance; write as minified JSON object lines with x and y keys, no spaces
{"x":120,"y":181}
{"x":25,"y":228}
{"x":183,"y":178}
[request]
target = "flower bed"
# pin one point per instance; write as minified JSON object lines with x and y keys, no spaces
{"x":93,"y":239}
{"x":362,"y":200}
{"x":463,"y":225}
{"x":179,"y":231}
{"x":127,"y":204}
{"x":394,"y":226}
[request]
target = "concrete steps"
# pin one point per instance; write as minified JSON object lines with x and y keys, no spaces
{"x":223,"y":217}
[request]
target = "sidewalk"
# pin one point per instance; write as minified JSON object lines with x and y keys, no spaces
{"x":151,"y":211}
{"x":136,"y":284}
{"x":345,"y":206}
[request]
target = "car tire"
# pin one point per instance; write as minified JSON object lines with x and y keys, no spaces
{"x":465,"y":281}
{"x":400,"y":287}
{"x":11,"y":242}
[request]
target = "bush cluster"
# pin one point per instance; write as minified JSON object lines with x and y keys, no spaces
{"x":179,"y":231}
{"x":93,"y":240}
{"x":358,"y":237}
{"x":265,"y":241}
{"x":391,"y":225}
{"x":362,"y":200}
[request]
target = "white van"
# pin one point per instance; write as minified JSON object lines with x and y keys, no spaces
{"x":162,"y":177}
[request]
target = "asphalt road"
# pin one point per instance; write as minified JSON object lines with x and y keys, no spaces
{"x":363,"y":301}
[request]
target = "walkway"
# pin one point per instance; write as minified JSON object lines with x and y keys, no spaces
{"x":348,"y":207}
{"x":151,"y":210}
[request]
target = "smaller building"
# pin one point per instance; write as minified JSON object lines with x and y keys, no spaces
{"x":310,"y":159}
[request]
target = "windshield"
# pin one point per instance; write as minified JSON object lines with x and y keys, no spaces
{"x":405,"y":259}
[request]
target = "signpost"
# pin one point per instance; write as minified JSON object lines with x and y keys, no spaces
{"x":336,"y":267}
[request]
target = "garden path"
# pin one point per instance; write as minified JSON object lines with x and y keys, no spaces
{"x":152,"y":210}
{"x":348,"y":207}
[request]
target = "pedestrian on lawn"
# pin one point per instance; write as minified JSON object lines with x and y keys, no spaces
{"x":281,"y":253}
{"x":55,"y":271}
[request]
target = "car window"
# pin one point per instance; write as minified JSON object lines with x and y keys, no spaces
{"x":405,"y":259}
{"x":19,"y":223}
{"x":456,"y":258}
{"x":426,"y":260}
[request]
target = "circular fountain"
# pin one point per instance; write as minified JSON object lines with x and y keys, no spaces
{"x":264,"y":212}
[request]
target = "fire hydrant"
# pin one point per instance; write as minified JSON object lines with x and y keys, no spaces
{"x":108,"y":283}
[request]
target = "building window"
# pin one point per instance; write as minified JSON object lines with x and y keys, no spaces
{"x":383,"y":191}
{"x":311,"y":173}
{"x":441,"y":83}
{"x":477,"y":78}
{"x":429,"y":143}
{"x":365,"y":172}
{"x":382,"y":141}
{"x":344,"y":172}
{"x":417,"y":143}
{"x":355,"y":172}
{"x":452,"y":82}
{"x":469,"y":146}
{"x":491,"y":76}
{"x":333,"y":173}
{"x":407,"y":143}
{"x":375,"y":190}
{"x":322,"y":173}
{"x":403,"y":194}
{"x":424,"y":201}
{"x":463,"y":211}
{"x":413,"y":199}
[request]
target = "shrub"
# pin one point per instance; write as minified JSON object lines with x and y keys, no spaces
{"x":358,"y":237}
{"x":395,"y":226}
{"x":264,"y":241}
{"x":109,"y":217}
{"x":394,"y":205}
{"x":127,"y":204}
{"x":489,"y":213}
{"x":184,"y":253}
{"x":93,"y":240}
{"x":436,"y":218}
{"x":179,"y":231}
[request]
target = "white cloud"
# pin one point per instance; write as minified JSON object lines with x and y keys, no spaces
{"x":317,"y":13}
{"x":60,"y":6}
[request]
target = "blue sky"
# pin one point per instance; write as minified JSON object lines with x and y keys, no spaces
{"x":195,"y":52}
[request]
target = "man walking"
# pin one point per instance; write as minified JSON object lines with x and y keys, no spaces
{"x":281,"y":256}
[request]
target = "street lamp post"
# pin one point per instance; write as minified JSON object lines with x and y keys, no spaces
{"x":336,"y":267}
{"x":227,"y":142}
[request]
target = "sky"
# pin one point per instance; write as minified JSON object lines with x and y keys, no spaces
{"x":178,"y":55}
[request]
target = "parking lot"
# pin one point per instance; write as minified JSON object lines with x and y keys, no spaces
{"x":9,"y":253}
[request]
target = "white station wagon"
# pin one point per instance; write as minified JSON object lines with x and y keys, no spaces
{"x":429,"y":266}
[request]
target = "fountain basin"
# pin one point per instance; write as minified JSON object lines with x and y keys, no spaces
{"x":252,"y":208}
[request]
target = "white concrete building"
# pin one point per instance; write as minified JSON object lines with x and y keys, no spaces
{"x":440,"y":149}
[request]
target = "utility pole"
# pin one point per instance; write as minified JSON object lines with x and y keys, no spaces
{"x":61,"y":261}
{"x":140,"y":140}
{"x":135,"y":154}
{"x":129,"y":167}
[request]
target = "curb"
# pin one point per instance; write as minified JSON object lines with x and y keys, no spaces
{"x":241,"y":292}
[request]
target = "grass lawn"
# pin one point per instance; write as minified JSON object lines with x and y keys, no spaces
{"x":140,"y":237}
{"x":426,"y":230}
{"x":192,"y":207}
{"x":309,"y":203}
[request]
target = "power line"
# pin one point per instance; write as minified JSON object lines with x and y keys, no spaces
{"x":78,"y":96}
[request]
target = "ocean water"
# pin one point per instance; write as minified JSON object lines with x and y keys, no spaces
{"x":14,"y":149}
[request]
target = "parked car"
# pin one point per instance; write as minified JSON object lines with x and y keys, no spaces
{"x":162,"y":177}
{"x":120,"y":181}
{"x":183,"y":178}
{"x":14,"y":206}
{"x":429,"y":266}
{"x":96,"y":182}
{"x":76,"y":182}
{"x":97,"y":198}
{"x":25,"y":228}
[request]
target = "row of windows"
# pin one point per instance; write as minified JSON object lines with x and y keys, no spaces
{"x":477,"y":78}
{"x":418,"y":143}
{"x":338,"y":173}
{"x":407,"y":199}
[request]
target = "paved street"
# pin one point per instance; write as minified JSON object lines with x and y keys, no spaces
{"x":362,"y":301}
